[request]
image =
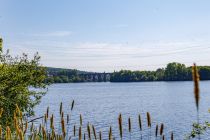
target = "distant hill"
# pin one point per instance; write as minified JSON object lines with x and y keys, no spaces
{"x":173,"y":72}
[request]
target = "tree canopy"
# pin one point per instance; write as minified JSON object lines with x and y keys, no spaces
{"x":22,"y":83}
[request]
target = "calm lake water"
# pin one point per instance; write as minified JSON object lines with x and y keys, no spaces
{"x":171,"y":103}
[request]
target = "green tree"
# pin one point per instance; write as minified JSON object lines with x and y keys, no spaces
{"x":22,"y":83}
{"x":1,"y":42}
{"x":175,"y":72}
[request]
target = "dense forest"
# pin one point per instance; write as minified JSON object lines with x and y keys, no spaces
{"x":173,"y":72}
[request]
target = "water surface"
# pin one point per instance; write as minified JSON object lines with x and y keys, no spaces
{"x":171,"y":103}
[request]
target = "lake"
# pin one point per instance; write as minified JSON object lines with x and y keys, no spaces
{"x":171,"y":103}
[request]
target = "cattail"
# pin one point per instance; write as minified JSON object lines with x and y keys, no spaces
{"x":44,"y":133}
{"x":1,"y":112}
{"x":120,"y":125}
{"x":156,"y":130}
{"x":32,"y":127}
{"x":63,"y":127}
{"x":110,"y":133}
{"x":0,"y":132}
{"x":172,"y":136}
{"x":100,"y":136}
{"x":148,"y":119}
{"x":8,"y":133}
{"x":67,"y":118}
{"x":80,"y":133}
{"x":61,"y":107}
{"x":40,"y":128}
{"x":21,"y":137}
{"x":80,"y":116}
{"x":161,"y":128}
{"x":74,"y":130}
{"x":94,"y":132}
{"x":163,"y":137}
{"x":52,"y":122}
{"x":45,"y":118}
{"x":196,"y":85}
{"x":26,"y":127}
{"x":72,"y":105}
{"x":62,"y":115}
{"x":47,"y":113}
{"x":140,"y":124}
{"x":88,"y":129}
{"x":129,"y":124}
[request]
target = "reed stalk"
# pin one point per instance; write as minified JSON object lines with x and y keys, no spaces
{"x":88,"y":129}
{"x":129,"y":127}
{"x":140,"y":126}
{"x":196,"y":79}
{"x":72,"y":105}
{"x":156,"y":131}
{"x":161,"y":129}
{"x":110,"y":133}
{"x":120,"y":125}
{"x":80,"y":133}
{"x":94,"y":132}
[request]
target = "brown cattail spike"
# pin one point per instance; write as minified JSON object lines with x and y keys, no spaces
{"x":161,"y":128}
{"x":110,"y":133}
{"x":88,"y":129}
{"x":61,"y":107}
{"x":129,"y":124}
{"x":120,"y":125}
{"x":196,"y":85}
{"x":100,"y":136}
{"x":74,"y":130}
{"x":140,"y":123}
{"x":148,"y":119}
{"x":47,"y":113}
{"x":172,"y":136}
{"x":72,"y":105}
{"x":94,"y":132}
{"x":80,"y":133}
{"x":80,"y":116}
{"x":156,"y":130}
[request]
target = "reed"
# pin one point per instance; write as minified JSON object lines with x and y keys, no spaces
{"x":47,"y":112}
{"x":61,"y":108}
{"x":156,"y":131}
{"x":80,"y":133}
{"x":88,"y":129}
{"x":84,"y":136}
{"x":161,"y":129}
{"x":23,"y":131}
{"x":172,"y":136}
{"x":196,"y":85}
{"x":63,"y":127}
{"x":94,"y":132}
{"x":120,"y":125}
{"x":0,"y":132}
{"x":148,"y":120}
{"x":100,"y":136}
{"x":110,"y":133}
{"x":74,"y":130}
{"x":72,"y":105}
{"x":129,"y":126}
{"x":196,"y":91}
{"x":80,"y":117}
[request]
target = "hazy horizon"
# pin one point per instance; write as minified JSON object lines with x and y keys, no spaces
{"x":108,"y":35}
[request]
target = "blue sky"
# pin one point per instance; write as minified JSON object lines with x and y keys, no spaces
{"x":108,"y":35}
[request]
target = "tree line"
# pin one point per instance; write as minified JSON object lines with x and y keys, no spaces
{"x":173,"y":72}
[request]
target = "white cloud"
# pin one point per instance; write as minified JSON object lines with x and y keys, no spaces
{"x":93,"y":56}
